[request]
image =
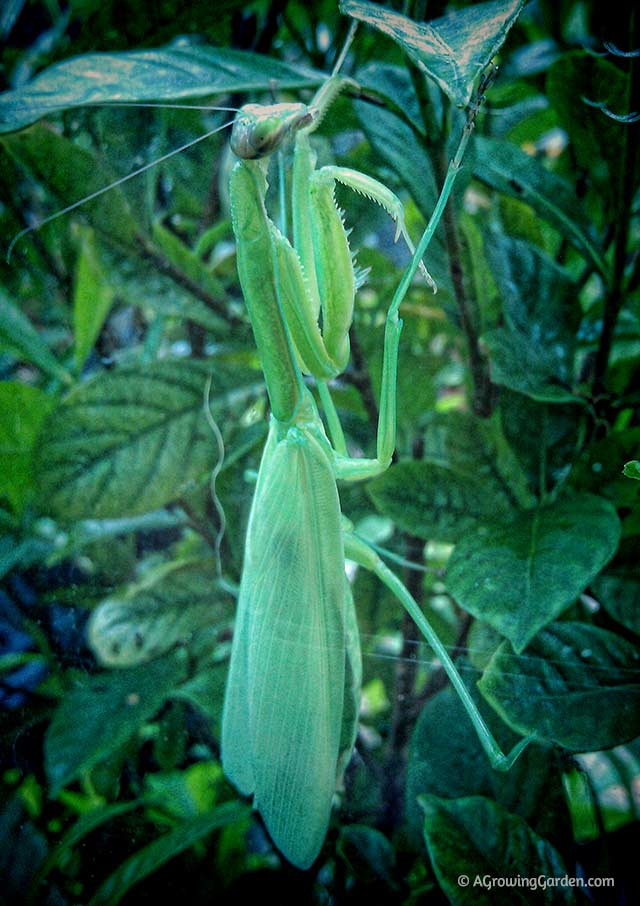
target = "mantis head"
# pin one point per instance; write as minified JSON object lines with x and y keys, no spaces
{"x":260,"y":129}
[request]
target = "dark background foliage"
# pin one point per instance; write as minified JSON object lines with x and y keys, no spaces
{"x":519,"y":386}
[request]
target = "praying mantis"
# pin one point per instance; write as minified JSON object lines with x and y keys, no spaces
{"x":291,"y":703}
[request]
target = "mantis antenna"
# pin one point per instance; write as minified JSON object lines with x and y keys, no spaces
{"x":112,"y":185}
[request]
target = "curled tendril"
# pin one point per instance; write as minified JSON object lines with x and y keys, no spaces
{"x":620,"y":53}
{"x":618,"y":117}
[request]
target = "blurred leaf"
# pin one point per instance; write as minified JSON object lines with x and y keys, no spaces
{"x":613,"y":783}
{"x":126,"y":442}
{"x":505,"y":167}
{"x":20,"y":338}
{"x":394,"y":83}
{"x":102,"y":712}
{"x":452,"y":50}
{"x":520,"y":575}
{"x":187,"y":261}
{"x":188,"y":792}
{"x":533,"y":352}
{"x":367,"y":853}
{"x":619,"y":594}
{"x":172,"y":73}
{"x":434,"y":501}
{"x":575,"y":685}
{"x":596,"y":140}
{"x":151,"y":617}
{"x":632,"y":469}
{"x":155,"y":854}
{"x":23,"y":849}
{"x":477,"y":838}
{"x":22,"y":411}
{"x":92,"y":300}
{"x":63,"y":166}
{"x":85,"y":825}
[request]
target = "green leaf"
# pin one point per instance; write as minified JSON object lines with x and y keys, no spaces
{"x":545,"y":439}
{"x":62,"y":166}
{"x":601,"y":791}
{"x":395,"y":85}
{"x":446,"y":759}
{"x":98,"y":716}
{"x":149,"y":859}
{"x":575,"y":685}
{"x":452,"y":50}
{"x":20,"y":338}
{"x":142,"y":283}
{"x":166,"y":607}
{"x":172,"y":73}
{"x":533,"y":352}
{"x":632,"y":469}
{"x":368,"y":854}
{"x":23,"y":409}
{"x":520,"y":575}
{"x":92,"y":299}
{"x":619,"y":594}
{"x":475,"y":838}
{"x":187,"y":261}
{"x":505,"y":167}
{"x":84,"y":826}
{"x":596,"y":140}
{"x":126,"y":442}
{"x":435,"y":501}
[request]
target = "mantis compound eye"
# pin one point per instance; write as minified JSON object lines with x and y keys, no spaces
{"x":259,"y":129}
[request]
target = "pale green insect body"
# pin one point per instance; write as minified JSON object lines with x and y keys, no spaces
{"x":293,"y":688}
{"x":291,"y":703}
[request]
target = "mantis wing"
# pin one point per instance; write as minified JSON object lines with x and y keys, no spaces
{"x":282,"y":720}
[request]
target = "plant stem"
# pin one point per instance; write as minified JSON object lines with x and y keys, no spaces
{"x":406,"y":671}
{"x":482,"y":401}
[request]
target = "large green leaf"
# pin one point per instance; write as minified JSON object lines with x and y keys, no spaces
{"x":98,"y":716}
{"x":520,"y":575}
{"x":474,"y":838}
{"x":155,"y":854}
{"x":150,"y":617}
{"x":126,"y":442}
{"x":92,"y":299}
{"x":22,"y":411}
{"x":62,"y":166}
{"x":452,"y":50}
{"x":20,"y":338}
{"x":172,"y":73}
{"x":435,"y":501}
{"x":575,"y":685}
{"x":505,"y":167}
{"x":446,"y":759}
{"x":632,"y":469}
{"x":533,"y":352}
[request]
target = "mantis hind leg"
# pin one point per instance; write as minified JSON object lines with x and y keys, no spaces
{"x":356,"y":549}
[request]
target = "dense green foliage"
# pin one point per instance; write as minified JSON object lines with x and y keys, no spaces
{"x":515,"y":486}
